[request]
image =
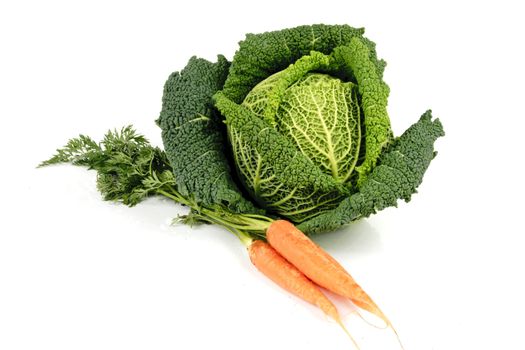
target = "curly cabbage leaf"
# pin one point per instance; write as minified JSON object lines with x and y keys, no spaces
{"x":194,"y":136}
{"x":278,"y":176}
{"x":374,"y":95}
{"x":261,"y":55}
{"x":399,"y":172}
{"x":321,"y":115}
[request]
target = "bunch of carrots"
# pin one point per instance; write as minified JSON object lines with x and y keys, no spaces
{"x":297,"y":264}
{"x":281,"y":251}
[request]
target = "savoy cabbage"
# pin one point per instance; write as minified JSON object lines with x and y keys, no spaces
{"x":307,"y":137}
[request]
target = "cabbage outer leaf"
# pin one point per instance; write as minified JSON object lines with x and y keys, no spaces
{"x":374,"y":96}
{"x":261,"y":55}
{"x":399,"y":172}
{"x":194,"y":136}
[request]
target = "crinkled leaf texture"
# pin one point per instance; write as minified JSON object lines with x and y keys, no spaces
{"x":277,"y":175}
{"x":374,"y":96}
{"x":270,"y":166}
{"x":399,"y":172}
{"x":305,"y":114}
{"x":319,"y":113}
{"x":273,"y":100}
{"x":194,"y":137}
{"x":261,"y":55}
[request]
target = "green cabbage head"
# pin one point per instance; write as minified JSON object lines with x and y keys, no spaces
{"x":306,"y":123}
{"x":294,"y":127}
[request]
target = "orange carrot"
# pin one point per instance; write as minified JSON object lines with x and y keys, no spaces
{"x":267,"y":260}
{"x":318,"y":265}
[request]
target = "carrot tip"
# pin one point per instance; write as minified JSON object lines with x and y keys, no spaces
{"x":397,"y":335}
{"x":370,"y":323}
{"x":387,"y":322}
{"x":340,"y":323}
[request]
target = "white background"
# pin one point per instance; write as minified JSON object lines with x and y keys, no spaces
{"x":80,"y":273}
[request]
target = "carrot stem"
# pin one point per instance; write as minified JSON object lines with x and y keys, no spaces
{"x":242,"y":225}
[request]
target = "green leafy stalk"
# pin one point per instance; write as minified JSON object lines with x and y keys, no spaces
{"x":129,"y":169}
{"x":79,"y":151}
